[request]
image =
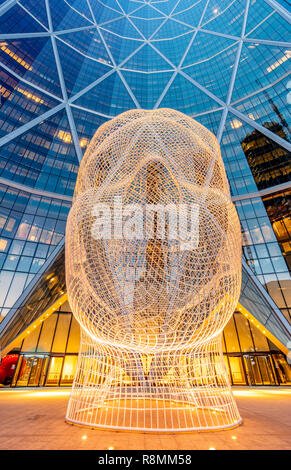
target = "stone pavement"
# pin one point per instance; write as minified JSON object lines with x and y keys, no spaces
{"x":34,"y":419}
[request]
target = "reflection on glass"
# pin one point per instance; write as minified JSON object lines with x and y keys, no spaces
{"x":283,"y":369}
{"x":37,"y":364}
{"x":237,"y":372}
{"x":278,"y":207}
{"x":74,"y":337}
{"x":69,"y":370}
{"x":61,"y":333}
{"x":269,"y":163}
{"x":252,"y":370}
{"x":23,"y":376}
{"x":47,"y":332}
{"x":266,"y":370}
{"x":30,"y":341}
{"x":227,"y":366}
{"x":260,"y":339}
{"x":43,"y":371}
{"x":54,"y":372}
{"x":244,"y":333}
{"x":230,"y":335}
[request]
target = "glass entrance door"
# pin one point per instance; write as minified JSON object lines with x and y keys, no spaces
{"x":237,"y":371}
{"x":36,"y":368}
{"x":266,"y":369}
{"x":29,"y":371}
{"x":54,"y":372}
{"x":259,"y":370}
{"x":252,"y":370}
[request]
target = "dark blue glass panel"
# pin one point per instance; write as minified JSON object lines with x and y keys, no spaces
{"x":25,"y":23}
{"x":43,"y":157}
{"x":20,"y":103}
{"x":37,"y":9}
{"x":33,"y":60}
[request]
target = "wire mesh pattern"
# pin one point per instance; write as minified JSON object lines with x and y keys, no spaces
{"x":152,"y":299}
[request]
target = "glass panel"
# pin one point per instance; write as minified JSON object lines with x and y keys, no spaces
{"x":283,"y":369}
{"x":36,"y":369}
{"x":47,"y":334}
{"x":260,"y":339}
{"x":54,"y":371}
{"x":30,"y":342}
{"x":79,"y":71}
{"x":61,"y":334}
{"x":223,"y":343}
{"x":224,"y":16}
{"x":99,"y":94}
{"x":16,"y":289}
{"x":69,"y":370}
{"x":20,"y":103}
{"x":270,"y":109}
{"x":74,"y":338}
{"x":154,"y":82}
{"x":253,"y":301}
{"x":17,"y":370}
{"x":5,"y":280}
{"x":244,"y":333}
{"x":265,"y":23}
{"x":41,"y":296}
{"x":25,"y":21}
{"x":26,"y":366}
{"x":65,"y":17}
{"x":269,"y":64}
{"x":55,"y":164}
{"x":237,"y":372}
{"x":86,"y":124}
{"x":210,"y":120}
{"x":252,"y":370}
{"x":227,"y":366}
{"x":43,"y":371}
{"x":206,"y":55}
{"x":231,"y":340}
{"x":266,"y":370}
{"x":278,"y":209}
{"x":187,"y":98}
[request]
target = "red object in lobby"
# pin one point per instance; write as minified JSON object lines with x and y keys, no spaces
{"x":7,"y":368}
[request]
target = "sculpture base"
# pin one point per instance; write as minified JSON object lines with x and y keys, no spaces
{"x":170,"y":391}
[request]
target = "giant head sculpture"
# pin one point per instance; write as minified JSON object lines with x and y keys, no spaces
{"x":153,"y":269}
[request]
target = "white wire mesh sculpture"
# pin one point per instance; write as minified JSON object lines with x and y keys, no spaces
{"x":151,"y":289}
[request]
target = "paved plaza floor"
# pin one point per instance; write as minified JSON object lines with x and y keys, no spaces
{"x":34,"y":419}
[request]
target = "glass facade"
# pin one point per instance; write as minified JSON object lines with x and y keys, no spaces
{"x":31,"y":226}
{"x":67,"y":66}
{"x":48,"y":355}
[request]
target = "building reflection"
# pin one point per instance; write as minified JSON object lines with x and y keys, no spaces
{"x":278,"y":207}
{"x":268,"y":161}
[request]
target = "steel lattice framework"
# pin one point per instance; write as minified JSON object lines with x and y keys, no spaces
{"x":160,"y":17}
{"x":152,"y":300}
{"x":141,"y":25}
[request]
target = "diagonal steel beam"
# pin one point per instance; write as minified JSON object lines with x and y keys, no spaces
{"x":234,"y":73}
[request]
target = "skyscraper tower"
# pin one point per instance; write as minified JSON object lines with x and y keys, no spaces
{"x":67,"y":66}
